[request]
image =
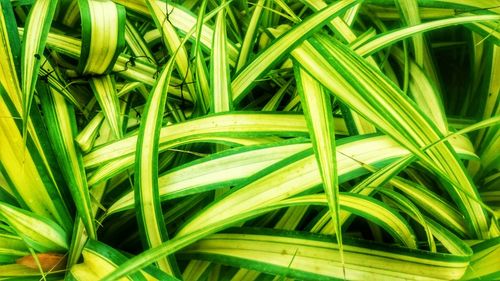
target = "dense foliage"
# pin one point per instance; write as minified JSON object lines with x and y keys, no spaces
{"x":249,"y":140}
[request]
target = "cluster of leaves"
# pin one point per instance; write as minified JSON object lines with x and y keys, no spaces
{"x":249,"y":140}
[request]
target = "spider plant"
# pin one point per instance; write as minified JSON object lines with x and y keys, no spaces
{"x":249,"y":140}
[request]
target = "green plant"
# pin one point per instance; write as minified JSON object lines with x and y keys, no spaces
{"x":249,"y":140}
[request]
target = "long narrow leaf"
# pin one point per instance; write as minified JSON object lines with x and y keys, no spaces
{"x":220,"y":78}
{"x":103,"y":27}
{"x":376,"y":102}
{"x":241,"y":84}
{"x":318,"y":111}
{"x":295,"y":255}
{"x":105,"y":93}
{"x":61,"y":115}
{"x":34,"y":40}
{"x":37,"y":232}
{"x":146,"y":173}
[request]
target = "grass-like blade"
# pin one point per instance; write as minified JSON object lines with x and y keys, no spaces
{"x":61,"y":115}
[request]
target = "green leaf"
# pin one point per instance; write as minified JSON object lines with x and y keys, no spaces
{"x":61,"y":115}
{"x":318,"y":111}
{"x":226,"y":124}
{"x":247,"y":46}
{"x":98,"y":260}
{"x":105,"y":92}
{"x":381,"y":103}
{"x":220,"y":79}
{"x":35,"y":36}
{"x":10,"y":50}
{"x":115,"y":167}
{"x":12,"y":247}
{"x":382,"y":40}
{"x":228,"y":168}
{"x":37,"y":232}
{"x":160,"y":13}
{"x":147,"y":200}
{"x":484,"y":265}
{"x":246,"y":78}
{"x":295,"y":255}
{"x":103,"y":28}
{"x":86,"y":138}
{"x":26,"y":167}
